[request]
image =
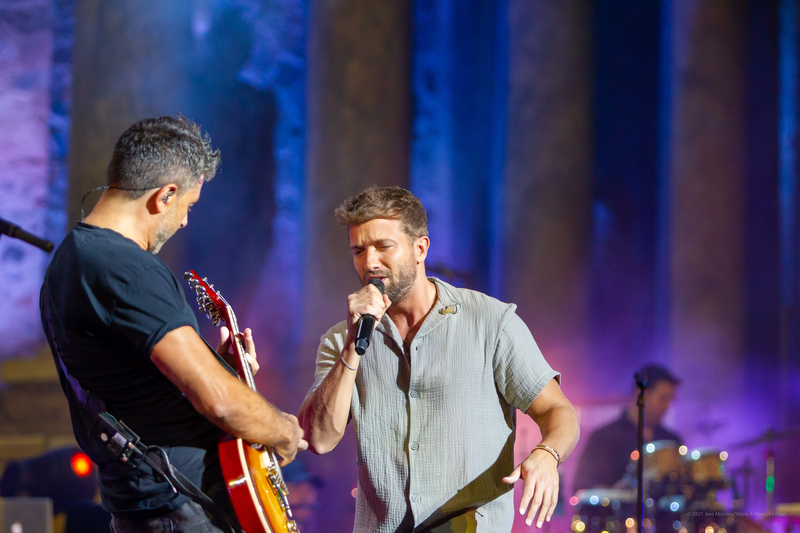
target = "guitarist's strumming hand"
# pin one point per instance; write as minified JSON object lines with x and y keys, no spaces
{"x":293,"y":444}
{"x":224,"y":348}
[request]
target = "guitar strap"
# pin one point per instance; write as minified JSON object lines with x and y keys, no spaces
{"x":117,"y":440}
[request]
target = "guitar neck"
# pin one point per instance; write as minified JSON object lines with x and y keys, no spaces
{"x":244,"y":369}
{"x":260,"y":502}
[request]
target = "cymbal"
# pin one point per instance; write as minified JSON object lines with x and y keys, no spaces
{"x":768,"y":436}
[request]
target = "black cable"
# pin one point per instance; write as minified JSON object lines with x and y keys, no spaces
{"x":157,"y":449}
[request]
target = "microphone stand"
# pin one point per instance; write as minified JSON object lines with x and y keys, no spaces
{"x":7,"y":228}
{"x":642,"y":382}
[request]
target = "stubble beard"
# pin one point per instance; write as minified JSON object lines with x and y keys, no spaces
{"x":166,"y":229}
{"x":400,"y":281}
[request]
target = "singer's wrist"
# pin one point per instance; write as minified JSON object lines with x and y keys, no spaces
{"x":349,"y":357}
{"x":549,"y":450}
{"x":353,"y":368}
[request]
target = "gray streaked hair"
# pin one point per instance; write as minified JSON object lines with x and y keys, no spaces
{"x":157,"y":151}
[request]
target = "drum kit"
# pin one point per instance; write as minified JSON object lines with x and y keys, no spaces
{"x":680,"y":494}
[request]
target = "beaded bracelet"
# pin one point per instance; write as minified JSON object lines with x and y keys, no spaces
{"x":552,"y":452}
{"x":345,"y":364}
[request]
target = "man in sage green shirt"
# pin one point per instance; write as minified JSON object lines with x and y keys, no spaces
{"x":434,"y":397}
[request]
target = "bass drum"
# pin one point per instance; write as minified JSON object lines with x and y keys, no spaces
{"x":663,"y":469}
{"x":705,"y":468}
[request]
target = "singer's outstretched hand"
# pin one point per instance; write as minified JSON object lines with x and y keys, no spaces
{"x":557,"y":421}
{"x":540,"y":473}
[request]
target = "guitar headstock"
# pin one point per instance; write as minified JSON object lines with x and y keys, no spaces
{"x":209,"y":301}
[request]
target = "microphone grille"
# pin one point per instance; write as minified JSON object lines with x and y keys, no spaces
{"x":378,"y":284}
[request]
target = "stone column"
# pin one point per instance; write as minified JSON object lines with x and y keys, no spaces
{"x":130,"y":62}
{"x":704,"y":184}
{"x":359,"y":111}
{"x":26,"y":52}
{"x":548,"y":178}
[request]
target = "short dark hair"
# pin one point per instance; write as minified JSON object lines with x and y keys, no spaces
{"x":394,"y":203}
{"x":157,"y":151}
{"x":656,"y":373}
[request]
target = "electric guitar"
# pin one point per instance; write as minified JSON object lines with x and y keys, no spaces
{"x":251,"y":471}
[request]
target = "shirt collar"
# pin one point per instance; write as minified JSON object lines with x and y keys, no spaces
{"x":442,"y":309}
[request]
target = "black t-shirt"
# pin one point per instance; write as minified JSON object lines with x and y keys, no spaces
{"x":110,"y":303}
{"x":608,"y":452}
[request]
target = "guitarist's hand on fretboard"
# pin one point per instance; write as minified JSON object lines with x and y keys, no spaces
{"x":246,"y":337}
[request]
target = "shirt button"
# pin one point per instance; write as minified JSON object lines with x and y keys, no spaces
{"x":414,"y":499}
{"x":415,"y":446}
{"x":414,"y":394}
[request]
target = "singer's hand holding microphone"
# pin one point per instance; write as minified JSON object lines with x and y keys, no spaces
{"x":366,"y":307}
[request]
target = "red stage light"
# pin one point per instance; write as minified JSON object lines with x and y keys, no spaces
{"x":81,"y":464}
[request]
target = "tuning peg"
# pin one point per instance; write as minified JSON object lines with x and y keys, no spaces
{"x":187,"y":275}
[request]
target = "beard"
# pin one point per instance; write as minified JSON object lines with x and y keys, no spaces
{"x":399,"y":281}
{"x":166,"y":229}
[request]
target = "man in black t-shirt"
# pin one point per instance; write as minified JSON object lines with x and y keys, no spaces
{"x":608,"y":450}
{"x":125,"y":332}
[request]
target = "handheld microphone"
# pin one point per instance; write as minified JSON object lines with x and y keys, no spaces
{"x":367,"y":323}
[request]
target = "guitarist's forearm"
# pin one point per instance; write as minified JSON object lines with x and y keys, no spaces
{"x":244,"y":413}
{"x":219,"y":396}
{"x":324,"y":414}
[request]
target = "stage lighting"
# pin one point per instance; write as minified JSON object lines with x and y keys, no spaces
{"x":81,"y":464}
{"x":64,"y":475}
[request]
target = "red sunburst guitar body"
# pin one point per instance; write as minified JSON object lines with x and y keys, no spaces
{"x":252,"y":473}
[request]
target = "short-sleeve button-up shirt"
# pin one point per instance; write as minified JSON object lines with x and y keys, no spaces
{"x":435,"y":419}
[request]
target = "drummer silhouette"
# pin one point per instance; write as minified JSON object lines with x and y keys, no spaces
{"x":608,"y":450}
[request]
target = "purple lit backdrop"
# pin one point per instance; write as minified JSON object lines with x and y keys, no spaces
{"x":626,"y":173}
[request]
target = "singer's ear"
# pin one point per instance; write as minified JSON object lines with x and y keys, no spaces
{"x":421,"y":246}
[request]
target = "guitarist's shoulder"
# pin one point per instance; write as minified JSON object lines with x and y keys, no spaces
{"x":119,"y":270}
